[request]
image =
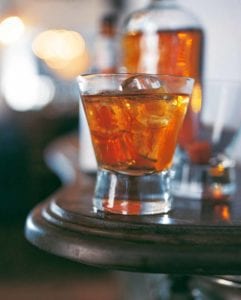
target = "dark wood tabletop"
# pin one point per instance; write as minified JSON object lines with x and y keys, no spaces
{"x":197,"y":237}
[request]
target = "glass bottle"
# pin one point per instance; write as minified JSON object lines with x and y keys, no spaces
{"x":105,"y":56}
{"x":167,"y":39}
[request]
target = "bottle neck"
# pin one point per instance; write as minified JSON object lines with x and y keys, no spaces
{"x":108,"y":30}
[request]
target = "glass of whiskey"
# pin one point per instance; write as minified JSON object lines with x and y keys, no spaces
{"x":134,"y":122}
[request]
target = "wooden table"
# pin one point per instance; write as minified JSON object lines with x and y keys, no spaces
{"x":197,"y":237}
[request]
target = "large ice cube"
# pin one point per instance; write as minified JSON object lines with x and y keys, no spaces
{"x":142,"y":82}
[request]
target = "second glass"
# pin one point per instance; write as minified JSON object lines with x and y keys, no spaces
{"x":206,"y":167}
{"x":134,"y":121}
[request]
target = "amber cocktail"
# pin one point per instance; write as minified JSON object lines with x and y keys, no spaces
{"x":134,"y":121}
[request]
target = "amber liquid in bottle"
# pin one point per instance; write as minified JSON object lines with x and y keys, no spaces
{"x":174,"y":52}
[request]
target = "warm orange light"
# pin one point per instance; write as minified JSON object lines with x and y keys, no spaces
{"x":225,"y":213}
{"x":63,"y":51}
{"x":222,"y":212}
{"x":196,"y":101}
{"x":218,"y":170}
{"x":68,"y":69}
{"x":217,"y":192}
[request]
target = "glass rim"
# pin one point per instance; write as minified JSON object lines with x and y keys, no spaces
{"x":118,"y":74}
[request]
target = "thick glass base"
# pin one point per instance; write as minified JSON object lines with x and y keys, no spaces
{"x":132,"y":195}
{"x":217,"y":181}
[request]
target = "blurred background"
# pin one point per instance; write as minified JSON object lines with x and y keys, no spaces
{"x":44,"y":45}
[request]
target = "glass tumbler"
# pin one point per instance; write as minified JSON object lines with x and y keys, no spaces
{"x":208,"y":167}
{"x":134,"y":121}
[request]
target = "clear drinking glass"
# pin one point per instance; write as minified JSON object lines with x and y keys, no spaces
{"x":208,"y":169}
{"x":134,"y":121}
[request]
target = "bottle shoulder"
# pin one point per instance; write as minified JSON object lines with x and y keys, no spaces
{"x":155,"y":18}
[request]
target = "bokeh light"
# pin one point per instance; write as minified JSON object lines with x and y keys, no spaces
{"x":22,"y":86}
{"x":11,"y":29}
{"x":64,"y":51}
{"x":33,"y":94}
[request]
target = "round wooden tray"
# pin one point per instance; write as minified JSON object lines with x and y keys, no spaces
{"x":197,"y":237}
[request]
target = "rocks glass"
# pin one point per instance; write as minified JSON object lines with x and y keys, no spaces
{"x":134,"y":121}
